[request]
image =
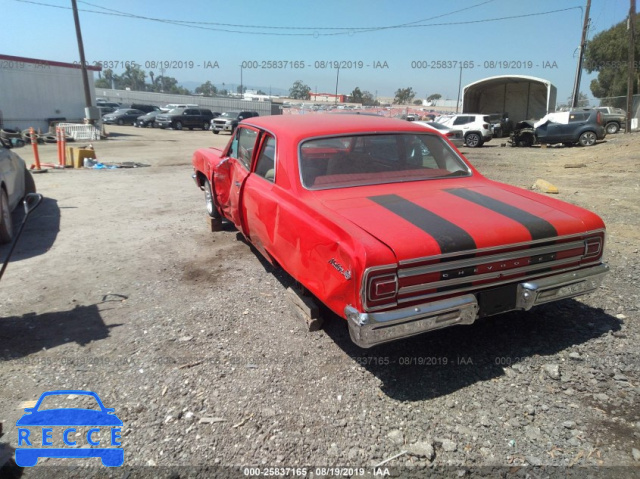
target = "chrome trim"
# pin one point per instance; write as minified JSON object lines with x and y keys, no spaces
{"x":369,"y":329}
{"x":521,"y":253}
{"x":504,"y":246}
{"x":478,"y":287}
{"x":481,"y":277}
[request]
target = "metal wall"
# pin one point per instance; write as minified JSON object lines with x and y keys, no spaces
{"x":30,"y":95}
{"x":126,"y":97}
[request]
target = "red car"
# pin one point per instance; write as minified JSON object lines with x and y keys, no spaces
{"x":389,"y":226}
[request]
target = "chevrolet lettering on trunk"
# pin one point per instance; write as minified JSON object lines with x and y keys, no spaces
{"x":390,"y":227}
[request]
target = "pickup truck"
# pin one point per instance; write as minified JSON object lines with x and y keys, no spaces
{"x":613,"y":118}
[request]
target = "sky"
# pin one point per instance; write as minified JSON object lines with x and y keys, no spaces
{"x":379,"y":45}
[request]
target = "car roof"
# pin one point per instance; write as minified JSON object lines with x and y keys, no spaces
{"x":305,"y":126}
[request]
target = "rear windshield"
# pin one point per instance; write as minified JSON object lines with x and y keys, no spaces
{"x":359,"y":160}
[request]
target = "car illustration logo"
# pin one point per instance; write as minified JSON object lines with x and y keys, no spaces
{"x":71,"y":432}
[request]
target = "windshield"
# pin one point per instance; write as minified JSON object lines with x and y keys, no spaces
{"x":230,"y":114}
{"x":377,"y":158}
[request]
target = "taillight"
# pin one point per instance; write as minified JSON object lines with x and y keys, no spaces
{"x":450,"y":134}
{"x":599,"y":118}
{"x":485,"y":126}
{"x":592,"y":247}
{"x":383,"y":287}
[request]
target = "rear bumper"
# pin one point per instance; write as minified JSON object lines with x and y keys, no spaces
{"x":370,"y":329}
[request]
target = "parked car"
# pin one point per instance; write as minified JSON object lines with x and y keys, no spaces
{"x":144,"y":108}
{"x":500,"y":124}
{"x":583,"y":127}
{"x":148,"y":119}
{"x":229,"y":120}
{"x":123,"y":116}
{"x":105,"y":109}
{"x":613,"y":118}
{"x":475,"y":126}
{"x":454,"y":136}
{"x":391,"y":228}
{"x":173,"y":106}
{"x":112,"y":104}
{"x":180,"y":118}
{"x":15,"y":182}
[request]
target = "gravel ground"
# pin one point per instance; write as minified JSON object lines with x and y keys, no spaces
{"x":118,"y":287}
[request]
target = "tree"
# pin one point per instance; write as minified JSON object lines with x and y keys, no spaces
{"x":133,"y":78}
{"x":207,"y":89}
{"x":434,"y":97}
{"x":368,"y":99}
{"x":260,"y":92}
{"x":356,"y":96}
{"x":607,"y":54}
{"x":106,"y":79}
{"x":299,"y":91}
{"x":583,"y":101}
{"x":417,"y":102}
{"x":404,"y":95}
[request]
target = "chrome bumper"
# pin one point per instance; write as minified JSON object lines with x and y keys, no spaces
{"x":370,"y":329}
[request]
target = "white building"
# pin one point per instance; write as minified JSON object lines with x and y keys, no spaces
{"x":35,"y":92}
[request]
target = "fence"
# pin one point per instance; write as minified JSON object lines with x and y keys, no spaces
{"x":220,"y":104}
{"x":79,"y":131}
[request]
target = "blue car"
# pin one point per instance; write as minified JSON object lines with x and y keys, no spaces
{"x":71,"y":417}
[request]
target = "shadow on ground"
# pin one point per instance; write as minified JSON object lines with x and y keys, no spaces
{"x":23,"y":335}
{"x":39,"y":232}
{"x":441,"y":362}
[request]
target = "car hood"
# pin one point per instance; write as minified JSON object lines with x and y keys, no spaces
{"x":448,"y":216}
{"x":69,"y":417}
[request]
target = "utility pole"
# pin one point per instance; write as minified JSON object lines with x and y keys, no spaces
{"x":337,"y":76}
{"x":83,"y":63}
{"x":459,"y":87}
{"x":630,"y":63}
{"x":583,"y":41}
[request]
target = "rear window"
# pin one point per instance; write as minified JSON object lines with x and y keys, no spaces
{"x":359,"y":160}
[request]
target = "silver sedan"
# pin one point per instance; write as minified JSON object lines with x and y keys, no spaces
{"x":15,"y":182}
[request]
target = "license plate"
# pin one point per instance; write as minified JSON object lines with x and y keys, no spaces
{"x":497,"y":300}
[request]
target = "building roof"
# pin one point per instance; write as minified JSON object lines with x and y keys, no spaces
{"x":47,"y":63}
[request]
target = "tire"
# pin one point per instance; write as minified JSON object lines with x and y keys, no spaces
{"x":473,"y":140}
{"x":588,"y":138}
{"x":215,"y":132}
{"x":205,"y":126}
{"x":29,"y":184}
{"x":525,"y":141}
{"x":212,"y":211}
{"x":178,"y":125}
{"x":612,"y":128}
{"x":6,"y":223}
{"x":120,"y":122}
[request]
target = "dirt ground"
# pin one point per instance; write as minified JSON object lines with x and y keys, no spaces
{"x":118,"y":287}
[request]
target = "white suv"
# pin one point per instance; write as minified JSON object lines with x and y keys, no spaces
{"x":475,"y":127}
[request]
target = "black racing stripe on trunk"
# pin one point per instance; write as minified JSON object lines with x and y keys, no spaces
{"x":538,"y":228}
{"x":450,"y":237}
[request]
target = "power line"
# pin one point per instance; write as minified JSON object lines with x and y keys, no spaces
{"x":313,"y":31}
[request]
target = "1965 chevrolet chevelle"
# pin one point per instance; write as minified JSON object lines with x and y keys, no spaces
{"x":391,"y":228}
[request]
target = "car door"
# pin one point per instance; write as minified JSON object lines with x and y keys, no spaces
{"x":191,"y":117}
{"x":230,"y":176}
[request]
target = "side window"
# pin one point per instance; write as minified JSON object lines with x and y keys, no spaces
{"x":461,"y":120}
{"x":243,"y":145}
{"x":266,"y":165}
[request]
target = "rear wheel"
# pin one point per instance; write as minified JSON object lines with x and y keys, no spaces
{"x":6,"y":224}
{"x":613,"y":128}
{"x":205,"y":126}
{"x":212,"y":211}
{"x":473,"y":140}
{"x":588,"y":138}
